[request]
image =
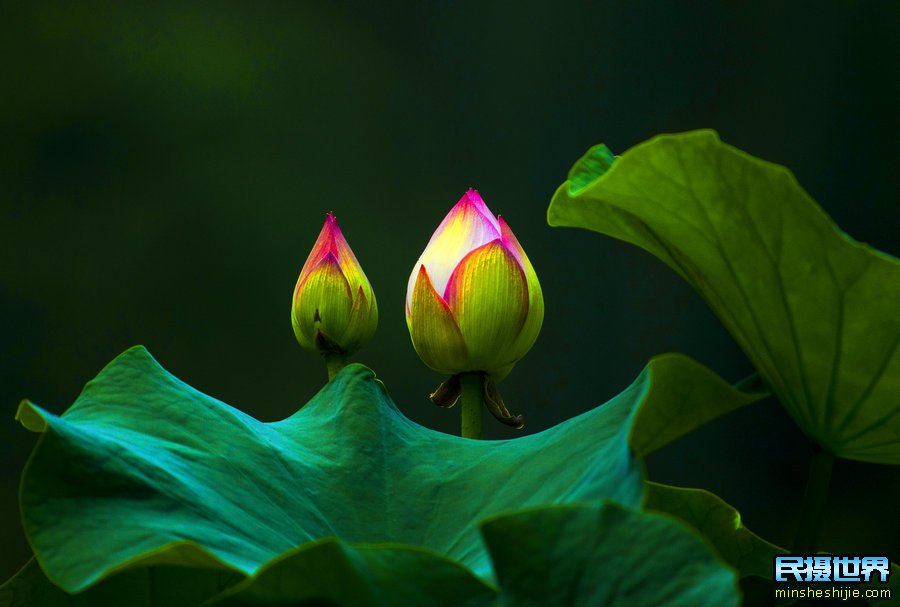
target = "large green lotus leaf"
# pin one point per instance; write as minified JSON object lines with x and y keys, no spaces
{"x":327,"y":571}
{"x":147,"y":471}
{"x":151,"y":586}
{"x":556,"y":555}
{"x":332,"y":572}
{"x":815,"y":311}
{"x":719,"y":523}
{"x":688,"y":404}
{"x":606,"y":555}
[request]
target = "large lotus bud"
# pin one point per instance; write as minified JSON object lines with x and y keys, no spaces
{"x":474,"y":303}
{"x":333,"y":309}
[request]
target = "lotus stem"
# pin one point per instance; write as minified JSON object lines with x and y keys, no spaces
{"x":812,"y":512}
{"x":334,"y":363}
{"x":472,"y":396}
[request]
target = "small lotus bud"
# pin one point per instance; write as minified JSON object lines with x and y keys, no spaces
{"x":333,"y":309}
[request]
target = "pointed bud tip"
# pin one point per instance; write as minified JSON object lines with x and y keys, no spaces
{"x":473,"y":196}
{"x":472,"y":199}
{"x":331,"y":230}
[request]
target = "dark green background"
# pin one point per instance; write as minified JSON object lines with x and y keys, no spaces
{"x":164,"y":172}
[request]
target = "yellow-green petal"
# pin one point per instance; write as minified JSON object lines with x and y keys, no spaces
{"x":322,"y":302}
{"x":435,"y":335}
{"x":468,"y":225}
{"x":363,"y":322}
{"x":532,"y":326}
{"x":351,"y":267}
{"x":488,"y":296}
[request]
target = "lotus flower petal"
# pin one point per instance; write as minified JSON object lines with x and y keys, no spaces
{"x":363,"y":321}
{"x":532,"y":325}
{"x":469,"y":225}
{"x":488,"y":297}
{"x":435,"y":334}
{"x":331,"y":241}
{"x":322,"y":303}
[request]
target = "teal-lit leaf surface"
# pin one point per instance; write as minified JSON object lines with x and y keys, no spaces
{"x":332,"y":572}
{"x":719,"y":523}
{"x":589,"y":167}
{"x":815,"y":311}
{"x":151,"y":474}
{"x":324,"y":572}
{"x":568,"y":556}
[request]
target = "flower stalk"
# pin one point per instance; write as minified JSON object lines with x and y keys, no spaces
{"x":334,"y":363}
{"x":812,"y":510}
{"x":472,"y":395}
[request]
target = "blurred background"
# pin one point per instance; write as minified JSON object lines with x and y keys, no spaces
{"x":165,"y":170}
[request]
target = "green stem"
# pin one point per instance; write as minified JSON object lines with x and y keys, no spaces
{"x":334,"y":363}
{"x":472,"y":396}
{"x":812,"y":512}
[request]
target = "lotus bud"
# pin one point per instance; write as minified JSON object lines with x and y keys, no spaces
{"x":333,"y":309}
{"x":473,"y":301}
